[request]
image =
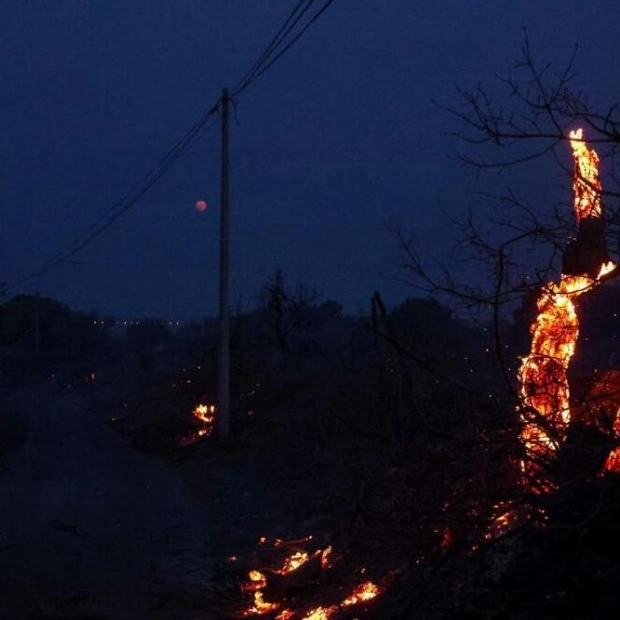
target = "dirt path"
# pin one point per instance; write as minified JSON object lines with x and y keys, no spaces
{"x":90,"y":526}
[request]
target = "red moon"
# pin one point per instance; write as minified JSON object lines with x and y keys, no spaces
{"x":201,"y":205}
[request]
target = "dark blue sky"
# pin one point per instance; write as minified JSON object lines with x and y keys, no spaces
{"x":335,"y":144}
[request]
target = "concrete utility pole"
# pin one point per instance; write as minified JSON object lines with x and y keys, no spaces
{"x":223,"y":383}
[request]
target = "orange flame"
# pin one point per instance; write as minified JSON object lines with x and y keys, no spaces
{"x":542,"y":376}
{"x":261,"y":606}
{"x":361,"y":594}
{"x":325,"y":558}
{"x":321,"y":613}
{"x":364,"y":592}
{"x":258,"y":580}
{"x":206,"y":415}
{"x":293,"y":562}
{"x":544,"y":386}
{"x":586,"y":183}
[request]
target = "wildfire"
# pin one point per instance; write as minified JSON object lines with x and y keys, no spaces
{"x":544,"y":388}
{"x":544,"y":385}
{"x":294,"y":567}
{"x":361,"y":594}
{"x":586,"y":183}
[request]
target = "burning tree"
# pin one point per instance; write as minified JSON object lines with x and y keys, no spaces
{"x":456,"y":487}
{"x":546,"y":106}
{"x":556,"y":519}
{"x":543,"y":380}
{"x":567,"y":420}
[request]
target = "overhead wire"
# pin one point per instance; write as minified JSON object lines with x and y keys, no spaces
{"x":262,"y":69}
{"x":277,"y":39}
{"x":125,"y":203}
{"x":275,"y":49}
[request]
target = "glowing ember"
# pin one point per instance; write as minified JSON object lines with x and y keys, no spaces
{"x":293,"y":562}
{"x":364,"y":592}
{"x":261,"y":606}
{"x":321,"y":613}
{"x":613,"y":460}
{"x":447,"y":537}
{"x":325,"y":555}
{"x":603,"y":403}
{"x":505,"y":518}
{"x":206,"y":415}
{"x":542,"y":377}
{"x":258,"y":581}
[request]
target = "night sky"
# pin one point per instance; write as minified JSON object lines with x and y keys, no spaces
{"x":331,"y":148}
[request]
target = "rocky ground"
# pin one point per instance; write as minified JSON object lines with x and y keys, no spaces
{"x":91,"y":527}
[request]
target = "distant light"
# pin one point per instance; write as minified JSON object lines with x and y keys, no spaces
{"x":201,"y":205}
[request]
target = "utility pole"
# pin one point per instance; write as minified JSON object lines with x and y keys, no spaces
{"x":223,"y":379}
{"x":37,"y":326}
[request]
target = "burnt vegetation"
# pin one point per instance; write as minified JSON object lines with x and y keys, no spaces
{"x":386,"y":436}
{"x":554,"y":560}
{"x":393,"y":436}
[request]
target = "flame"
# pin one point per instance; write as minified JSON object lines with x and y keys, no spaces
{"x":612,"y":463}
{"x":325,"y":558}
{"x":586,"y":183}
{"x":293,"y":562}
{"x":321,"y":613}
{"x":206,"y":415}
{"x":606,"y":268}
{"x":544,"y":386}
{"x":543,"y":381}
{"x":258,"y":581}
{"x":364,"y":592}
{"x":261,"y":606}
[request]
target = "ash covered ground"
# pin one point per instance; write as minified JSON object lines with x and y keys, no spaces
{"x":385,"y":437}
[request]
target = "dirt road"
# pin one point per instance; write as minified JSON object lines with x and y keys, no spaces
{"x":89,"y":526}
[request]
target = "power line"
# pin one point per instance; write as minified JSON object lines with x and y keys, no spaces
{"x":125,"y":203}
{"x":277,"y":39}
{"x":260,"y":67}
{"x":274,"y":51}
